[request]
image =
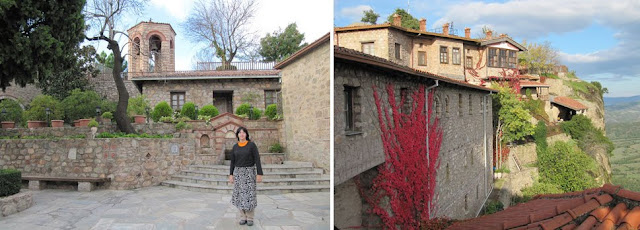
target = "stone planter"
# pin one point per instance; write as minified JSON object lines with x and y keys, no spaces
{"x":15,"y":203}
{"x":8,"y":124}
{"x":139,"y":119}
{"x":83,"y":122}
{"x":36,"y":124}
{"x":57,"y":123}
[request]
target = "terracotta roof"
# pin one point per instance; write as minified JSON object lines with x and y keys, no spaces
{"x":199,"y":74}
{"x":598,"y":208}
{"x":568,"y":102}
{"x":532,"y":84}
{"x":388,"y":25}
{"x":299,"y":53}
{"x":154,"y":23}
{"x":502,"y":39}
{"x":353,"y":55}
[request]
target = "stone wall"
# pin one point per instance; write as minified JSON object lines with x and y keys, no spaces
{"x":307,"y":107}
{"x":354,"y":39}
{"x":15,"y":203}
{"x":129,"y":162}
{"x":54,"y":132}
{"x":200,"y":92}
{"x":22,"y":95}
{"x":465,"y":172}
{"x":105,"y":86}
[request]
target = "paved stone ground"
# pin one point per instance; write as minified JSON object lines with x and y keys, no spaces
{"x":165,"y":208}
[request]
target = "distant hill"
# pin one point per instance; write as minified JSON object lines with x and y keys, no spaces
{"x":617,"y":100}
{"x":622,"y":112}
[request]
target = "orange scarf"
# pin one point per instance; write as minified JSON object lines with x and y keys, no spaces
{"x":242,"y":143}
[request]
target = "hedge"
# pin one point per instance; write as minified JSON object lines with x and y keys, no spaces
{"x":209,"y":110}
{"x":10,"y":182}
{"x":162,"y":109}
{"x":189,"y":110}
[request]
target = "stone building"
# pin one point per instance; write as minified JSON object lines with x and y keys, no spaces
{"x":443,"y":52}
{"x":464,"y":177}
{"x":305,"y":89}
{"x":564,"y":108}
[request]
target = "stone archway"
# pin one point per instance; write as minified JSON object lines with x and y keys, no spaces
{"x":7,"y":97}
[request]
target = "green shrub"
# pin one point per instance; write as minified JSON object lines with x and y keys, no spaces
{"x":539,"y":188}
{"x":189,"y":110}
{"x":209,"y":110}
{"x":181,"y":118}
{"x":162,"y":109}
{"x":13,"y":109}
{"x":81,"y":104}
{"x":93,"y":123}
{"x":581,"y":129}
{"x":565,"y":165}
{"x":183,"y":125}
{"x":540,"y":136}
{"x":107,"y":115}
{"x":243,"y":109}
{"x":512,"y":115}
{"x":536,"y":108}
{"x":276,"y":148}
{"x":204,"y":118}
{"x":36,"y":111}
{"x":493,"y":207}
{"x":137,"y":105}
{"x":10,"y":182}
{"x":257,"y":113}
{"x":166,"y":119}
{"x":271,"y":111}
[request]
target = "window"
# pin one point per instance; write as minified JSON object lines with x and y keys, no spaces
{"x":502,"y":58}
{"x":177,"y":100}
{"x":270,"y":97}
{"x":136,"y":45}
{"x":422,"y":58}
{"x":493,"y":58}
{"x":367,"y":47}
{"x":398,"y":51}
{"x":349,"y":96}
{"x":512,"y":59}
{"x":455,"y":55}
{"x":468,"y":63}
{"x":446,"y":106}
{"x":406,"y":105}
{"x":444,"y":57}
{"x":470,"y":105}
{"x":436,"y":103}
{"x":460,"y":104}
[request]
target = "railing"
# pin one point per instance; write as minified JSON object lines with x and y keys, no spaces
{"x":235,"y":66}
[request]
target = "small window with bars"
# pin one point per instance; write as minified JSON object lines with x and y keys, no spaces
{"x":177,"y":100}
{"x":468,"y":63}
{"x":444,"y":56}
{"x":455,"y":56}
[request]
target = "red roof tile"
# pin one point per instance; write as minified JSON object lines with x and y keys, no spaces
{"x":598,"y":208}
{"x":568,"y":102}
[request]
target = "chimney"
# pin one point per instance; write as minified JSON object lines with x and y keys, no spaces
{"x":489,"y":34}
{"x":467,"y":32}
{"x":503,"y":35}
{"x":397,"y":20}
{"x":445,"y":29}
{"x":423,"y":25}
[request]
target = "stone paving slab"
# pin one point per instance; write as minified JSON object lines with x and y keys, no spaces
{"x":160,"y":207}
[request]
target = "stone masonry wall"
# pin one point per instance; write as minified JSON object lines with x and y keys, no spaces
{"x":464,"y":176}
{"x":200,"y":92}
{"x":129,"y":162}
{"x":354,"y":40}
{"x":22,"y":95}
{"x":104,"y":85}
{"x":306,"y":107}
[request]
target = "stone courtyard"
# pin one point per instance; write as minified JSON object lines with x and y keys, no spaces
{"x":160,"y":207}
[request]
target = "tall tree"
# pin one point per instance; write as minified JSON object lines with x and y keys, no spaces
{"x":223,"y":25}
{"x":36,"y":37}
{"x":408,"y":21}
{"x":105,"y":14}
{"x":539,"y":58}
{"x":281,"y":44}
{"x":107,"y":60}
{"x":370,"y":17}
{"x":61,"y":84}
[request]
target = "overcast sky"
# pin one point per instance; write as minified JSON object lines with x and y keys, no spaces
{"x":271,"y":15}
{"x":599,"y":39}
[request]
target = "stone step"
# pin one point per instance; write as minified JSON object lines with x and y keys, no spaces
{"x":267,"y":175}
{"x":296,"y":163}
{"x":268,"y":190}
{"x":323,"y":180}
{"x":265,"y":168}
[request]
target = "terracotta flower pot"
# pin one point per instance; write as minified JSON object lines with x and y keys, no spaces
{"x":8,"y":124}
{"x":35,"y":124}
{"x":139,"y":119}
{"x":76,"y":123}
{"x":57,"y":123}
{"x":83,"y":122}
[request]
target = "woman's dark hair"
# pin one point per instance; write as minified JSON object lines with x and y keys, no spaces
{"x":245,"y":131}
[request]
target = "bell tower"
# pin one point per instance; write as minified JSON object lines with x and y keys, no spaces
{"x":152,"y":47}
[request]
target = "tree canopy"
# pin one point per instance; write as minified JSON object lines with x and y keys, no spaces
{"x":370,"y":17}
{"x":107,"y":60}
{"x":281,"y":44}
{"x":513,"y":117}
{"x":36,"y":37}
{"x":408,"y":21}
{"x":539,"y":58}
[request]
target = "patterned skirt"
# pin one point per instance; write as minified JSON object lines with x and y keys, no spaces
{"x":244,"y":188}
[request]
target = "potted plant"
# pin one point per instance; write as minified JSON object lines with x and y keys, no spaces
{"x":106,"y":117}
{"x":43,"y":108}
{"x":57,"y":123}
{"x":94,"y":127}
{"x":139,"y":119}
{"x":11,"y":113}
{"x":8,"y":124}
{"x":83,"y":122}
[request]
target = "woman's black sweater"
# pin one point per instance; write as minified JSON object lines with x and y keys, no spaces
{"x":246,"y":156}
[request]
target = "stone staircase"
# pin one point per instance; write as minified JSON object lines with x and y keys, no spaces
{"x":288,"y":177}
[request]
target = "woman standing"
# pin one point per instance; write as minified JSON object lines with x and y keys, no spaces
{"x":245,"y":161}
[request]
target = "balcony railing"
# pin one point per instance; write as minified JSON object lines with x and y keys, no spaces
{"x":235,"y":66}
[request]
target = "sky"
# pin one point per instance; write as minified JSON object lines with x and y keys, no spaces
{"x":596,"y":38}
{"x":271,"y":15}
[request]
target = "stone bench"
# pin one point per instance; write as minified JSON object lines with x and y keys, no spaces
{"x":85,"y":184}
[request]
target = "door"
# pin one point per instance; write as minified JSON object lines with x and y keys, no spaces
{"x":223,"y":101}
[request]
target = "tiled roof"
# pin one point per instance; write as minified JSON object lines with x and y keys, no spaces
{"x":388,"y":25}
{"x":294,"y":56}
{"x":598,"y":208}
{"x":502,"y":39}
{"x":199,"y":74}
{"x":532,"y":84}
{"x":568,"y":102}
{"x":353,"y":55}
